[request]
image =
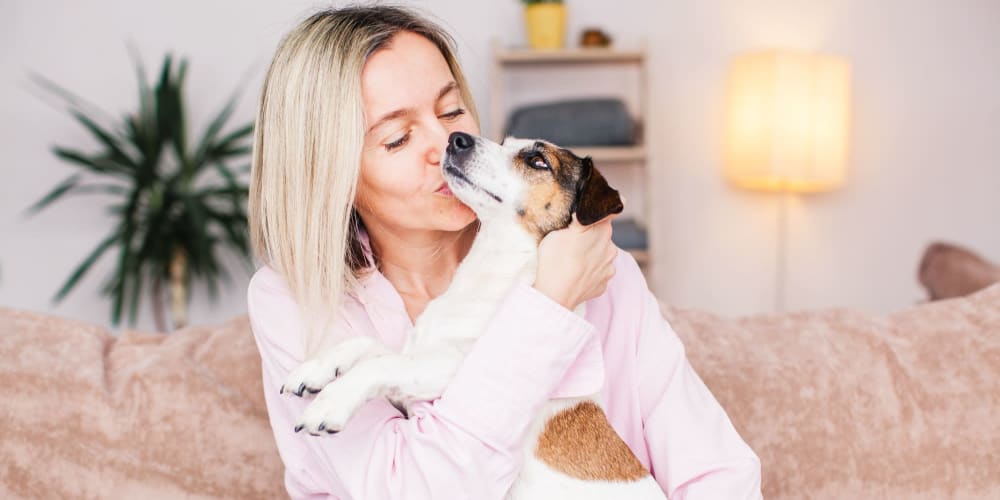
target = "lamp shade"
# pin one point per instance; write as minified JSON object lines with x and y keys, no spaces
{"x":787,"y":121}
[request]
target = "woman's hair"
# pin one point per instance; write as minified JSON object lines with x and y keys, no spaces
{"x":308,"y":140}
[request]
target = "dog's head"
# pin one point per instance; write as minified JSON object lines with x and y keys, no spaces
{"x":539,"y":184}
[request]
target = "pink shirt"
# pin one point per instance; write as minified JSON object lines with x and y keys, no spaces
{"x":467,"y":443}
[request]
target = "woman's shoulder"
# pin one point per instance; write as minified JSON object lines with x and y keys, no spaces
{"x":274,"y":314}
{"x":267,"y":279}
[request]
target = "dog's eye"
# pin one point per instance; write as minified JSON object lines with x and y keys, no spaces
{"x":538,"y":161}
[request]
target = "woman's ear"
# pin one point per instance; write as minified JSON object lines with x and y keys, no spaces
{"x":595,"y":199}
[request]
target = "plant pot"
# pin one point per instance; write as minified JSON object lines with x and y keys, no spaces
{"x":545,"y":24}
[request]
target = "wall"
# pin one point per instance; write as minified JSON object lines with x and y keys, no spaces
{"x":924,"y":152}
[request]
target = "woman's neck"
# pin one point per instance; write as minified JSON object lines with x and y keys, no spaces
{"x":420,"y":264}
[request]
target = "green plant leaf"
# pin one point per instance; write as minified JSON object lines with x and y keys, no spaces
{"x":96,"y":164}
{"x":61,"y":189}
{"x":144,"y":124}
{"x":85,"y":266}
{"x":205,"y":146}
{"x":105,"y":138}
{"x":221,"y":154}
{"x":65,"y":188}
{"x":136,"y":275}
{"x":230,"y":142}
{"x":73,"y":101}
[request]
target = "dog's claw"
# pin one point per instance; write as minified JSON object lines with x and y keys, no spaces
{"x":281,"y":390}
{"x":312,"y":390}
{"x":331,"y":431}
{"x":302,"y":387}
{"x":322,"y":426}
{"x":299,"y":427}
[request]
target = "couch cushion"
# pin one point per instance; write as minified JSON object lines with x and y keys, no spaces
{"x":837,"y":404}
{"x":88,"y":415}
{"x":840,"y":404}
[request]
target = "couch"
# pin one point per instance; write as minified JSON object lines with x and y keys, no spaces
{"x":837,"y":403}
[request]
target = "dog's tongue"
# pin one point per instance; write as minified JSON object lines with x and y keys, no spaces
{"x":445,"y":191}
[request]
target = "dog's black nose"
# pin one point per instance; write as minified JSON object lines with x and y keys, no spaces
{"x":460,"y":142}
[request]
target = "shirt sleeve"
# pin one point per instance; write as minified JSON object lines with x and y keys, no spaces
{"x":466,"y":444}
{"x":695,"y":452}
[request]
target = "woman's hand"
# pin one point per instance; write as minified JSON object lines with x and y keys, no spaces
{"x":576,"y":263}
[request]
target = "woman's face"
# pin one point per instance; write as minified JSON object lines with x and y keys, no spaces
{"x":412,"y":104}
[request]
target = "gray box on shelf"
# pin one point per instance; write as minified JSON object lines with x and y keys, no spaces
{"x":578,"y":122}
{"x":627,"y":234}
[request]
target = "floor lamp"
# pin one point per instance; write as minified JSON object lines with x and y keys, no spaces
{"x":786,"y":131}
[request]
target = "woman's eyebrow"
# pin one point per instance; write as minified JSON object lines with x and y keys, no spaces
{"x":399,"y":113}
{"x":447,"y":88}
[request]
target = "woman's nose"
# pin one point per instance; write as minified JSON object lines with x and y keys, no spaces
{"x":438,"y":138}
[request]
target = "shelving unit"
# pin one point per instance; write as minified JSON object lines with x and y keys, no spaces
{"x":505,"y":60}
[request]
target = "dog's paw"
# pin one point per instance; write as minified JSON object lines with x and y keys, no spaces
{"x":310,"y":377}
{"x":315,"y":374}
{"x":332,"y":408}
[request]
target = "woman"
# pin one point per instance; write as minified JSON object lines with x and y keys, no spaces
{"x":357,"y":232}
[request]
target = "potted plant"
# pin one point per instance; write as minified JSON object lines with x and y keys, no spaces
{"x":545,"y":23}
{"x":176,"y":203}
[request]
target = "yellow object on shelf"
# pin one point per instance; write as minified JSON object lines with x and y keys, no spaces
{"x":545,"y":24}
{"x":787,"y":123}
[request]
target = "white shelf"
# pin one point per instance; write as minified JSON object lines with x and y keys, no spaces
{"x":509,"y":60}
{"x":610,"y":153}
{"x":529,"y":56}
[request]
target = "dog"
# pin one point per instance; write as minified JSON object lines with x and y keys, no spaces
{"x":521,"y":190}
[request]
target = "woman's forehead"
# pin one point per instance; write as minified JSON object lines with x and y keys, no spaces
{"x":408,"y":72}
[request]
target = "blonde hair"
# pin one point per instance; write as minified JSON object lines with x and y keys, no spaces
{"x":308,"y":139}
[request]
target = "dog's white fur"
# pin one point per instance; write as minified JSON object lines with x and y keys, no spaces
{"x":502,"y":255}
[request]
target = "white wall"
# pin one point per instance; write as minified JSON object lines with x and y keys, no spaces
{"x":924,"y":154}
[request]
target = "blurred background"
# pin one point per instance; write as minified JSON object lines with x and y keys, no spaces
{"x":922,"y":161}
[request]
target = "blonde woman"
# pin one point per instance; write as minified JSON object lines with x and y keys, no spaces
{"x":356,"y":232}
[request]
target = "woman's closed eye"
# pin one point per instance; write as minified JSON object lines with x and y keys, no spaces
{"x":398,"y":142}
{"x":449,"y":116}
{"x":452,"y":115}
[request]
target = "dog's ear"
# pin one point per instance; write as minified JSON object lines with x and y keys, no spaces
{"x":595,"y":199}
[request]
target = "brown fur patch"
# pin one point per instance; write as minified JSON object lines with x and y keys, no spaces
{"x":580,"y":443}
{"x":545,"y":209}
{"x":548,"y":203}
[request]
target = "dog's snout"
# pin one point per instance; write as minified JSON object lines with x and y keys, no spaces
{"x":460,"y":142}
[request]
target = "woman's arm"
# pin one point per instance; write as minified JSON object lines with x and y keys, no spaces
{"x":465,"y":444}
{"x":695,"y":452}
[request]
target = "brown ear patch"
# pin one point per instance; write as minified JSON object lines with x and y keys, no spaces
{"x":580,"y":443}
{"x":595,"y":198}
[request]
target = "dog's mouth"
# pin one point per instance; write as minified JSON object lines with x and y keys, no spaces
{"x":457,"y":175}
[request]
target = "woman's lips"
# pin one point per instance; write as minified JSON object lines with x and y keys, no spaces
{"x":444,"y":189}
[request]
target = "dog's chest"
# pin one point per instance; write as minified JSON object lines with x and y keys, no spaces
{"x":495,"y":263}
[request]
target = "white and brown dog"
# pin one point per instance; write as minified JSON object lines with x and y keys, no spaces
{"x":521,"y":191}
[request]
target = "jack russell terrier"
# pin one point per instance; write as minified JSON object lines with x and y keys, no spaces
{"x":521,"y":190}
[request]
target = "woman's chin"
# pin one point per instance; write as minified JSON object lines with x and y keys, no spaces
{"x":460,"y":216}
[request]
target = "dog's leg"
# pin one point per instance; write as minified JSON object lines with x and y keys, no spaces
{"x":403,"y":378}
{"x":314,"y":374}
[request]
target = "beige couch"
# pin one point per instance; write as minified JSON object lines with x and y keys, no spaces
{"x":836,"y":403}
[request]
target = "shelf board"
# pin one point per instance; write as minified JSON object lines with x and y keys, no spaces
{"x":576,"y":55}
{"x":610,"y":153}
